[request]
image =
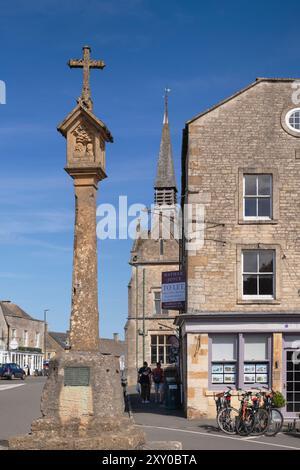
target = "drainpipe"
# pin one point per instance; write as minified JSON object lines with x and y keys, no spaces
{"x":144,"y":329}
{"x":8,"y":340}
{"x":136,"y":319}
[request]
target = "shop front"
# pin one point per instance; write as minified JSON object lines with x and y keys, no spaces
{"x":241,"y":351}
{"x":32,"y":359}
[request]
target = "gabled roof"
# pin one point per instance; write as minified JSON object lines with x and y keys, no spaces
{"x":73,"y":115}
{"x":111,"y":346}
{"x":59,"y":338}
{"x":251,"y":85}
{"x":10,"y":309}
{"x":106,"y":345}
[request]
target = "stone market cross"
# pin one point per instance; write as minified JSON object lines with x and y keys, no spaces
{"x":86,"y":63}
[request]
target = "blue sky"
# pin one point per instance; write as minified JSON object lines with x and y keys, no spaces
{"x":204,"y":51}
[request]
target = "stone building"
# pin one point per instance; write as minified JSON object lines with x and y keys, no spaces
{"x":150,"y":330}
{"x":55,"y":342}
{"x":58,"y":342}
{"x":21,"y":337}
{"x":241,"y":162}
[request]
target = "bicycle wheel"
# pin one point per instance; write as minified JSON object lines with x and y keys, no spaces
{"x":245,"y":425}
{"x":261,"y":422}
{"x":275,"y":422}
{"x":226,"y":420}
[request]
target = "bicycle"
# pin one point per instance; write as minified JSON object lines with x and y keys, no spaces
{"x":261,"y":415}
{"x":226,"y":414}
{"x":275,"y":416}
{"x":245,"y":421}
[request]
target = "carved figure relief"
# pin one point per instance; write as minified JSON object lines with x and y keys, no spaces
{"x":84,"y":146}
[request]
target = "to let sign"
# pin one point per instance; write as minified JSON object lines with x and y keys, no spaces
{"x":173,"y":290}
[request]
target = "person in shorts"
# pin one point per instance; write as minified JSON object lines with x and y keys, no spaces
{"x":158,"y":380}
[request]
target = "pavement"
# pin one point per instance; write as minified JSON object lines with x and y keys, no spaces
{"x":162,"y":424}
{"x":20,"y":405}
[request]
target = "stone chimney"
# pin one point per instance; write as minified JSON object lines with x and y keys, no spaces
{"x":116,"y":337}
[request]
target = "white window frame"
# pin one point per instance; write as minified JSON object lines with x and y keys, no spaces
{"x":258,"y":196}
{"x":25,"y":338}
{"x":154,"y":302}
{"x":164,"y":345}
{"x":37,"y":339}
{"x":257,"y":274}
{"x":287,"y":119}
{"x":163,"y":311}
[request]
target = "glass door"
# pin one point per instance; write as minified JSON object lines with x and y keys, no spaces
{"x":292,"y":382}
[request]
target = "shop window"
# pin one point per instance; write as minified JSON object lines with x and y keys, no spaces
{"x":239,"y":360}
{"x":223,"y":355}
{"x":256,"y":359}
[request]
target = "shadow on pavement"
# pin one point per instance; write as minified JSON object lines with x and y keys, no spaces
{"x":152,"y":407}
{"x":209,"y":428}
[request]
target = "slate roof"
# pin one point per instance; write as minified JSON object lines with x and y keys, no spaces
{"x":106,"y":345}
{"x":10,"y":309}
{"x":110,"y":346}
{"x":59,"y":338}
{"x":165,"y":175}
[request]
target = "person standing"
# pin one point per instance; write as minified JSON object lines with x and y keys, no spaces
{"x":145,"y":381}
{"x":158,"y":379}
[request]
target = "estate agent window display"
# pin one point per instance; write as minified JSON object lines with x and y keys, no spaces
{"x":239,"y":360}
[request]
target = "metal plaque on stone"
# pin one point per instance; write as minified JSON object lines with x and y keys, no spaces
{"x":77,"y":376}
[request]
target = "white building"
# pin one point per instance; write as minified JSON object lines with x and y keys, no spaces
{"x":21,"y":337}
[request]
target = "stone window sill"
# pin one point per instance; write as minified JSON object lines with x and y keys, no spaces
{"x":258,"y":301}
{"x":258,"y":222}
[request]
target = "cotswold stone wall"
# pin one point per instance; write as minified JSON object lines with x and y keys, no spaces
{"x":244,"y":134}
{"x":154,"y":324}
{"x":146,"y":256}
{"x":197,"y":376}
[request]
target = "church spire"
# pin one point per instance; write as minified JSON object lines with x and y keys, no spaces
{"x":165,"y":183}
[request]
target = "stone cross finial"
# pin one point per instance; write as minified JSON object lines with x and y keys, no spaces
{"x":86,"y":63}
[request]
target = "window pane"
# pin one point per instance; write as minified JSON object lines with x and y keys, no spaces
{"x":153,"y":354}
{"x":153,"y":339}
{"x":249,"y":284}
{"x":266,"y":261}
{"x":256,"y":347}
{"x":250,"y":185}
{"x":161,"y":339}
{"x":157,"y":296}
{"x":266,"y":285}
{"x":264,"y":207}
{"x":223,"y":347}
{"x":264,"y":185}
{"x":157,"y":307}
{"x":250,"y":207}
{"x":250,"y":261}
{"x":161,"y":354}
{"x":168,"y":351}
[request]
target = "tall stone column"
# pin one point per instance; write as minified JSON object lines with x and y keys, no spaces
{"x":82,"y":402}
{"x":84,"y":321}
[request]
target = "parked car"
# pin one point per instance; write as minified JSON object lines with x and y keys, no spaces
{"x":12,"y":371}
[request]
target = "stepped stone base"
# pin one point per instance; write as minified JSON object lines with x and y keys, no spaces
{"x":82,"y":407}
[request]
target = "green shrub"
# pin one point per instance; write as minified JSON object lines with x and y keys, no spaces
{"x":278,"y":400}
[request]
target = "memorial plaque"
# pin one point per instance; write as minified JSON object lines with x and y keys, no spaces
{"x":77,"y":376}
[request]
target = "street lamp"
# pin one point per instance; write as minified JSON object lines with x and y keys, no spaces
{"x":45,"y":333}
